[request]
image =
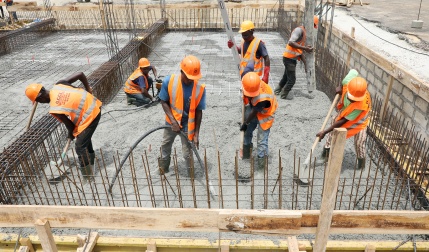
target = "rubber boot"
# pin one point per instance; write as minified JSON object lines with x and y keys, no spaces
{"x":284,"y":93}
{"x":290,"y":95}
{"x":131,"y":101}
{"x":261,"y":163}
{"x":361,"y":163}
{"x":278,"y":89}
{"x":164,"y":166}
{"x":86,"y":171}
{"x":247,"y":151}
{"x":92,"y":158}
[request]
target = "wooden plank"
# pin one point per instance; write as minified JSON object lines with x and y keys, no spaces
{"x":45,"y":235}
{"x":386,"y":97}
{"x":151,"y":246}
{"x":349,"y":53}
{"x":292,"y":244}
{"x":330,"y":188}
{"x":262,"y":221}
{"x":90,"y":244}
{"x":27,"y":243}
{"x":23,"y":249}
{"x":370,"y":248}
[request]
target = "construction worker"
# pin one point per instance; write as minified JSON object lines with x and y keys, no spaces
{"x":293,"y":52}
{"x":183,"y":100}
{"x":78,"y":109}
{"x":252,"y":52}
{"x":353,"y":114}
{"x":262,"y":104}
{"x":137,"y":85}
{"x":1,"y":10}
{"x":13,"y":13}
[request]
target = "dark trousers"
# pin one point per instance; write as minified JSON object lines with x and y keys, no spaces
{"x":12,"y":12}
{"x":289,"y":75}
{"x":84,"y":144}
{"x":2,"y":13}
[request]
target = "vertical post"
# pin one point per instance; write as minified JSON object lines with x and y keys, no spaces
{"x":386,"y":97}
{"x":224,"y":246}
{"x":45,"y":235}
{"x":27,"y":242}
{"x":330,"y":189}
{"x":151,"y":246}
{"x":349,"y":54}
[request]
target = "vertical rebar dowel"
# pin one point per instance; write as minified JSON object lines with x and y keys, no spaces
{"x":280,"y":181}
{"x":193,"y":182}
{"x":133,"y":179}
{"x":236,"y":178}
{"x":206,"y":168}
{"x":265,"y":182}
{"x":293,"y":182}
{"x":353,"y":183}
{"x":220,"y":179}
{"x":312,"y":183}
{"x":176,"y":170}
{"x":104,"y":181}
{"x":149,"y":185}
{"x":252,"y":184}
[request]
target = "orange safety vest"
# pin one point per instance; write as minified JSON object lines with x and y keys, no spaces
{"x":359,"y":123}
{"x":251,"y":56}
{"x":80,"y":106}
{"x":295,"y":53}
{"x":131,"y":87}
{"x":266,"y":116}
{"x":176,"y":102}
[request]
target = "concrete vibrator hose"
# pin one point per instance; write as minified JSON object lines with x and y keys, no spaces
{"x":194,"y":149}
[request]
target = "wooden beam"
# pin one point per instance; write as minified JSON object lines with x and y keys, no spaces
{"x":292,"y":244}
{"x":209,"y":220}
{"x":27,"y":243}
{"x":370,"y":248}
{"x":330,"y":188}
{"x":45,"y":235}
{"x":90,"y":243}
{"x":151,"y":246}
{"x":23,"y":249}
{"x":387,"y":97}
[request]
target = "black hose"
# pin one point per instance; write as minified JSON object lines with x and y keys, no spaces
{"x":194,"y":149}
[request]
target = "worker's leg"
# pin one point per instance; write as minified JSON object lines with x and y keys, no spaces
{"x":137,"y":99}
{"x":360,"y":147}
{"x":248,"y":135}
{"x":13,"y":13}
{"x":2,"y":13}
{"x":84,"y":147}
{"x":283,"y":81}
{"x":290,"y":66}
{"x":167,"y":143}
{"x":262,"y":139}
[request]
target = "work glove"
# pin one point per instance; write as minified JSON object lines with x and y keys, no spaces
{"x":230,"y":44}
{"x":266,"y":74}
{"x":243,"y":127}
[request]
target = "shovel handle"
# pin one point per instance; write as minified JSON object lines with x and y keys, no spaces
{"x":31,"y":116}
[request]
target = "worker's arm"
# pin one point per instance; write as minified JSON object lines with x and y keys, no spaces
{"x":82,"y":77}
{"x":198,"y":118}
{"x":337,"y":124}
{"x":146,"y":94}
{"x":67,"y":122}
{"x":174,"y":124}
{"x":155,"y":73}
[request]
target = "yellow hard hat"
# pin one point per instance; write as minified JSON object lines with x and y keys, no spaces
{"x":251,"y":84}
{"x":246,"y":25}
{"x":33,"y":90}
{"x":191,"y":66}
{"x":357,"y":88}
{"x":143,"y":62}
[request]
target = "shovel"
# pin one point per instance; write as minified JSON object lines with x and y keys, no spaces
{"x":304,"y":180}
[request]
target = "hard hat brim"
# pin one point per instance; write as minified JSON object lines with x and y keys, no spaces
{"x":193,"y":77}
{"x":355,"y":98}
{"x":250,"y":94}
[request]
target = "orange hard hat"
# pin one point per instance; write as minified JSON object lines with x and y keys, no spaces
{"x":143,"y":62}
{"x":246,"y":25}
{"x":33,"y":90}
{"x":191,"y":66}
{"x":316,"y":21}
{"x":251,"y":84}
{"x":357,"y":88}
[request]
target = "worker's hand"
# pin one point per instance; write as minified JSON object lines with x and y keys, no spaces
{"x":266,"y":74}
{"x":339,"y":90}
{"x":243,"y":127}
{"x":89,"y":90}
{"x":230,"y":44}
{"x":308,"y":49}
{"x":321,"y":135}
{"x":175,"y":127}
{"x":196,"y":141}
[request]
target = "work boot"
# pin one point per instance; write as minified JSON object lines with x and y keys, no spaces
{"x":290,"y":95}
{"x":164,"y":166}
{"x":278,"y":89}
{"x":261,"y":163}
{"x":131,"y":101}
{"x":86,"y":171}
{"x":325,"y":153}
{"x":284,"y":93}
{"x":361,"y":163}
{"x":92,"y":158}
{"x":247,"y":151}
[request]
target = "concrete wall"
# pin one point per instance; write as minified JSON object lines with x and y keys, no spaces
{"x":399,"y":89}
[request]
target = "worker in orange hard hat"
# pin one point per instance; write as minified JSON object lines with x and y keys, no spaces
{"x":353,"y":114}
{"x":294,"y":52}
{"x":183,"y":99}
{"x":261,"y":104}
{"x":77,"y":108}
{"x":254,"y":54}
{"x":137,"y":85}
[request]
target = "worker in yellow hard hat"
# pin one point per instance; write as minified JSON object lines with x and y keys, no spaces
{"x":137,"y":85}
{"x":77,"y":108}
{"x":354,"y":107}
{"x":294,"y":52}
{"x":254,"y":54}
{"x":259,"y":96}
{"x":183,"y":100}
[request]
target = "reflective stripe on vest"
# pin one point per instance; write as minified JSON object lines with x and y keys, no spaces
{"x":80,"y":106}
{"x":251,"y":56}
{"x":175,"y":93}
{"x":266,"y":116}
{"x":295,"y":53}
{"x":131,"y":87}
